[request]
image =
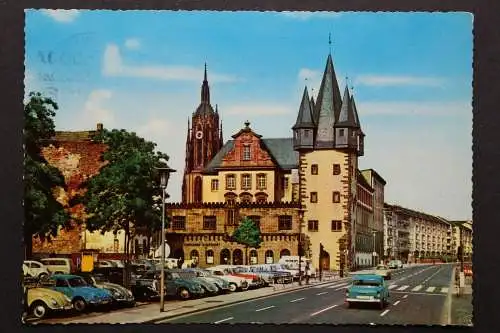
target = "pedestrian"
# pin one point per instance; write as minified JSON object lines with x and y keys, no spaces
{"x":308,"y":273}
{"x":180,"y":262}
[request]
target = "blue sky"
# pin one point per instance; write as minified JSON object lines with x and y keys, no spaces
{"x":142,"y":70}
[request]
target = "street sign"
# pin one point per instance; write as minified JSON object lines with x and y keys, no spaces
{"x":158,"y":251}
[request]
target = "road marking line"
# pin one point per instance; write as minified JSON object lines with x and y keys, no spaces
{"x":324,"y":292}
{"x":392,"y":286}
{"x":430,"y":289}
{"x":328,"y":308}
{"x":269,"y":307}
{"x":373,"y":324}
{"x":405,"y":296}
{"x":396,"y":303}
{"x":384,"y":313}
{"x":402,"y":288}
{"x":417,"y":293}
{"x":222,"y":320}
{"x":444,"y":290}
{"x":417,"y":288}
{"x":298,"y":299}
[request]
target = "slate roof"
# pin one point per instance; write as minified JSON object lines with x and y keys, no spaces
{"x":281,"y":150}
{"x":305,"y":116}
{"x":347,"y":118}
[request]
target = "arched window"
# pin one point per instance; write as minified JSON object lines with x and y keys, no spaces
{"x":194,"y":255}
{"x":269,"y":257}
{"x":209,"y":255}
{"x":284,"y":252}
{"x":253,"y":257}
{"x":261,"y":197}
{"x":197,"y":189}
{"x":225,"y":257}
{"x":245,"y":197}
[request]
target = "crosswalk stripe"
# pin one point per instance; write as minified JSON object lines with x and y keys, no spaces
{"x":402,"y":288}
{"x":417,"y":288}
{"x":444,"y":290}
{"x":430,"y":289}
{"x":392,"y":286}
{"x":325,"y":285}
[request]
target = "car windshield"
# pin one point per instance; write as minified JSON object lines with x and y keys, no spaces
{"x":368,"y":283}
{"x":77,"y":282}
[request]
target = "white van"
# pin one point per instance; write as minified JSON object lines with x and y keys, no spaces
{"x":57,"y":265}
{"x":292,"y":262}
{"x":36,"y":269}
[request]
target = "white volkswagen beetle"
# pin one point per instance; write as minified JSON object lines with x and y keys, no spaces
{"x":235,"y":283}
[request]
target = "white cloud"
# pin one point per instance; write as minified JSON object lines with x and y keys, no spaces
{"x":381,"y":80}
{"x":253,"y":110}
{"x":132,"y":44}
{"x":62,"y":15}
{"x":406,"y":108}
{"x":94,"y":110}
{"x":304,"y":16}
{"x":113,"y":65}
{"x":157,"y":127}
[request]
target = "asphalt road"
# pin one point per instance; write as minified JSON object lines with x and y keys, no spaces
{"x":417,"y":296}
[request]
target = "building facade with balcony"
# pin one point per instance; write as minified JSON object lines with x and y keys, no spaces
{"x":461,"y":233}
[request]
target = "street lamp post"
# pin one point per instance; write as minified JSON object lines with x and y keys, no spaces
{"x":301,"y":220}
{"x":164,"y":176}
{"x":374,"y":248}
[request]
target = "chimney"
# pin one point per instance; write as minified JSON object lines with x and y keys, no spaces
{"x":99,"y":127}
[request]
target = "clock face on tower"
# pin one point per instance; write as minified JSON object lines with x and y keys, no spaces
{"x":199,"y":135}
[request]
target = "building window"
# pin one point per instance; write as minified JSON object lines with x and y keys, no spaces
{"x":336,"y":197}
{"x":306,"y":133}
{"x":230,"y":217}
{"x":284,"y":252}
{"x":312,"y":225}
{"x":336,"y":225}
{"x":285,"y":222}
{"x":194,"y":255}
{"x":246,"y":153}
{"x":246,"y":197}
{"x":210,"y":222}
{"x":261,"y":198}
{"x":285,"y":183}
{"x":255,"y":219}
{"x":215,"y":185}
{"x":314,"y":197}
{"x":314,"y":169}
{"x":230,"y":198}
{"x":341,"y":132}
{"x":230,"y":182}
{"x":269,"y":257}
{"x":178,"y":223}
{"x":336,"y":169}
{"x":246,"y":181}
{"x":209,"y":255}
{"x":253,"y":257}
{"x":261,"y":181}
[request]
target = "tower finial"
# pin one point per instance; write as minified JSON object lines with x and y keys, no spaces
{"x":205,"y":78}
{"x":330,"y":41}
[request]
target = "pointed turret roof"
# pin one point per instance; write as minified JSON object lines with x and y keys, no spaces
{"x":328,"y":102}
{"x":305,"y":118}
{"x":205,"y":107}
{"x":346,"y":117}
{"x":355,"y":111}
{"x":312,"y":106}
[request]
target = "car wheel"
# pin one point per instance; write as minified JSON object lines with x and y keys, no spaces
{"x":39,"y":309}
{"x":348,"y":305}
{"x":381,"y":304}
{"x":184,"y":294}
{"x":233,"y":287}
{"x":79,"y":304}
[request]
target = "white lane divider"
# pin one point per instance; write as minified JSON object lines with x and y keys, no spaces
{"x":396,"y":303}
{"x":223,"y":320}
{"x":430,"y":289}
{"x":402,"y":288}
{"x":417,"y":288}
{"x":326,"y":309}
{"x":384,"y":313}
{"x":324,"y":292}
{"x":405,"y":296}
{"x":392,"y":286}
{"x":268,"y":307}
{"x":296,"y":300}
{"x":444,"y":290}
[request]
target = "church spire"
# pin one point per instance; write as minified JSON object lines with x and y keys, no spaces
{"x":205,"y":90}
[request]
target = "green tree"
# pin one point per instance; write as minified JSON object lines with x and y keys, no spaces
{"x":247,"y":234}
{"x":125,"y":194}
{"x":43,"y":214}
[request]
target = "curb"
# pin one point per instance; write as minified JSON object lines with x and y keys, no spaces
{"x":446,"y":316}
{"x":152,"y":321}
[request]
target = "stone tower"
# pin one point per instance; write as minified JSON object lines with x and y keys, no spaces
{"x":204,"y":140}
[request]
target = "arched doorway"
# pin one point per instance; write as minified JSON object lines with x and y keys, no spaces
{"x":194,"y":255}
{"x":269,"y":255}
{"x":209,"y":257}
{"x":253,"y":257}
{"x":237,"y":257}
{"x":284,"y":252}
{"x":225,"y":257}
{"x":325,"y":261}
{"x":178,"y":253}
{"x":197,"y":189}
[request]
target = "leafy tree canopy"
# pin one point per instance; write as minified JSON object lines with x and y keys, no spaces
{"x":126,"y":189}
{"x":43,"y":214}
{"x":247,"y":234}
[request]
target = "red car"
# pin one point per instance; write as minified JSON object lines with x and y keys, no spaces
{"x":256,"y":281}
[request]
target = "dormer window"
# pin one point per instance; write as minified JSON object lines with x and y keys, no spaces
{"x":246,"y":153}
{"x":341,"y":132}
{"x":306,"y":133}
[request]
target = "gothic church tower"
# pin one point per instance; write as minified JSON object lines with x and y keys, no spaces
{"x":204,"y":140}
{"x":329,"y":139}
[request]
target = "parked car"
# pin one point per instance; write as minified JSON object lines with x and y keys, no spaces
{"x":253,"y":279}
{"x":114,"y":274}
{"x":105,"y":263}
{"x":283,"y":268}
{"x":121,"y":295}
{"x":393,"y":264}
{"x":81,"y":294}
{"x":279,"y":275}
{"x":42,"y":300}
{"x":235,"y":282}
{"x":264,"y":277}
{"x":175,"y":285}
{"x":292,"y":262}
{"x":221,"y":284}
{"x":58,"y":265}
{"x":383,"y":271}
{"x":209,"y":286}
{"x":36,"y":269}
{"x":169,"y":262}
{"x":367,"y":288}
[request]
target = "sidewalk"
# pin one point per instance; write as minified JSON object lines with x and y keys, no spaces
{"x":461,"y":305}
{"x":150,"y":313}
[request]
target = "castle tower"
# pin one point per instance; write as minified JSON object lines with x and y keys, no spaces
{"x":204,"y":140}
{"x":328,"y":163}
